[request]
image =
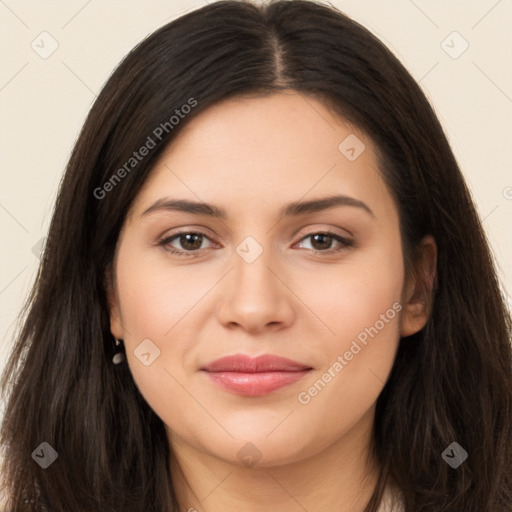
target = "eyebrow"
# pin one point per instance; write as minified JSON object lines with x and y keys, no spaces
{"x":290,"y":210}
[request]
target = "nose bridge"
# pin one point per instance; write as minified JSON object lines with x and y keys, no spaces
{"x":255,"y":295}
{"x":253,"y":261}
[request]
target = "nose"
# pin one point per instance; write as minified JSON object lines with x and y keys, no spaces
{"x":255,"y":296}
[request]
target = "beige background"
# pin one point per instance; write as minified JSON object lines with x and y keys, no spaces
{"x":43,"y":102}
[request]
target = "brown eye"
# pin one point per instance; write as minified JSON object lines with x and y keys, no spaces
{"x":322,"y":242}
{"x":189,"y":243}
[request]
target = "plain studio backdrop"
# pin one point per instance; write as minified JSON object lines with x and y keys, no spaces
{"x":57,"y":55}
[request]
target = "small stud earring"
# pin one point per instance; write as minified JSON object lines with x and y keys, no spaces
{"x":118,"y":356}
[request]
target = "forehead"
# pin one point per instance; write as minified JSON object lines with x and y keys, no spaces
{"x":288,"y":123}
{"x":255,"y":151}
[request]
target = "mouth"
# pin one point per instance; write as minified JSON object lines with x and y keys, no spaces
{"x":247,"y":376}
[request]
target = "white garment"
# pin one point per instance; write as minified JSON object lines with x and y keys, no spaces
{"x":391,"y":500}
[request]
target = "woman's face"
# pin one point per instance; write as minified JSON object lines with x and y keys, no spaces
{"x":263,"y":280}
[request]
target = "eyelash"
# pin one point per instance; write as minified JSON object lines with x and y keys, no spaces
{"x":346,"y":244}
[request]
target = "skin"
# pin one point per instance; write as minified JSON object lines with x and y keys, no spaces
{"x":299,"y":299}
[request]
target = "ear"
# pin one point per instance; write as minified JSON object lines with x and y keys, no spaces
{"x":113,"y":305}
{"x":418,"y":290}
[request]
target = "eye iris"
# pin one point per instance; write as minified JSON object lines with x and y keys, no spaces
{"x":323,"y":237}
{"x":187,"y":243}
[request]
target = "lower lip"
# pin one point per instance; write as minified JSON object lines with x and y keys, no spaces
{"x":255,"y":384}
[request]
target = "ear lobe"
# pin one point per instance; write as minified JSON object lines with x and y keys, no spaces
{"x":418,"y":296}
{"x":113,"y":306}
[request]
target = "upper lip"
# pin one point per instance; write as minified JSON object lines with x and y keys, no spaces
{"x":247,"y":364}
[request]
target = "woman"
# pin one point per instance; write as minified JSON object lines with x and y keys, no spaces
{"x":192,"y":344}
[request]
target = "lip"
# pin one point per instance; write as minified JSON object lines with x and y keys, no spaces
{"x":254,"y":376}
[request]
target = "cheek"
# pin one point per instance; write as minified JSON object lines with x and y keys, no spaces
{"x":157,"y":297}
{"x":351,"y":296}
{"x":155,"y":305}
{"x":361,"y":306}
{"x":348,"y":385}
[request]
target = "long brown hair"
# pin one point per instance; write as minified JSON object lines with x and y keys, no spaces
{"x":451,"y":382}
